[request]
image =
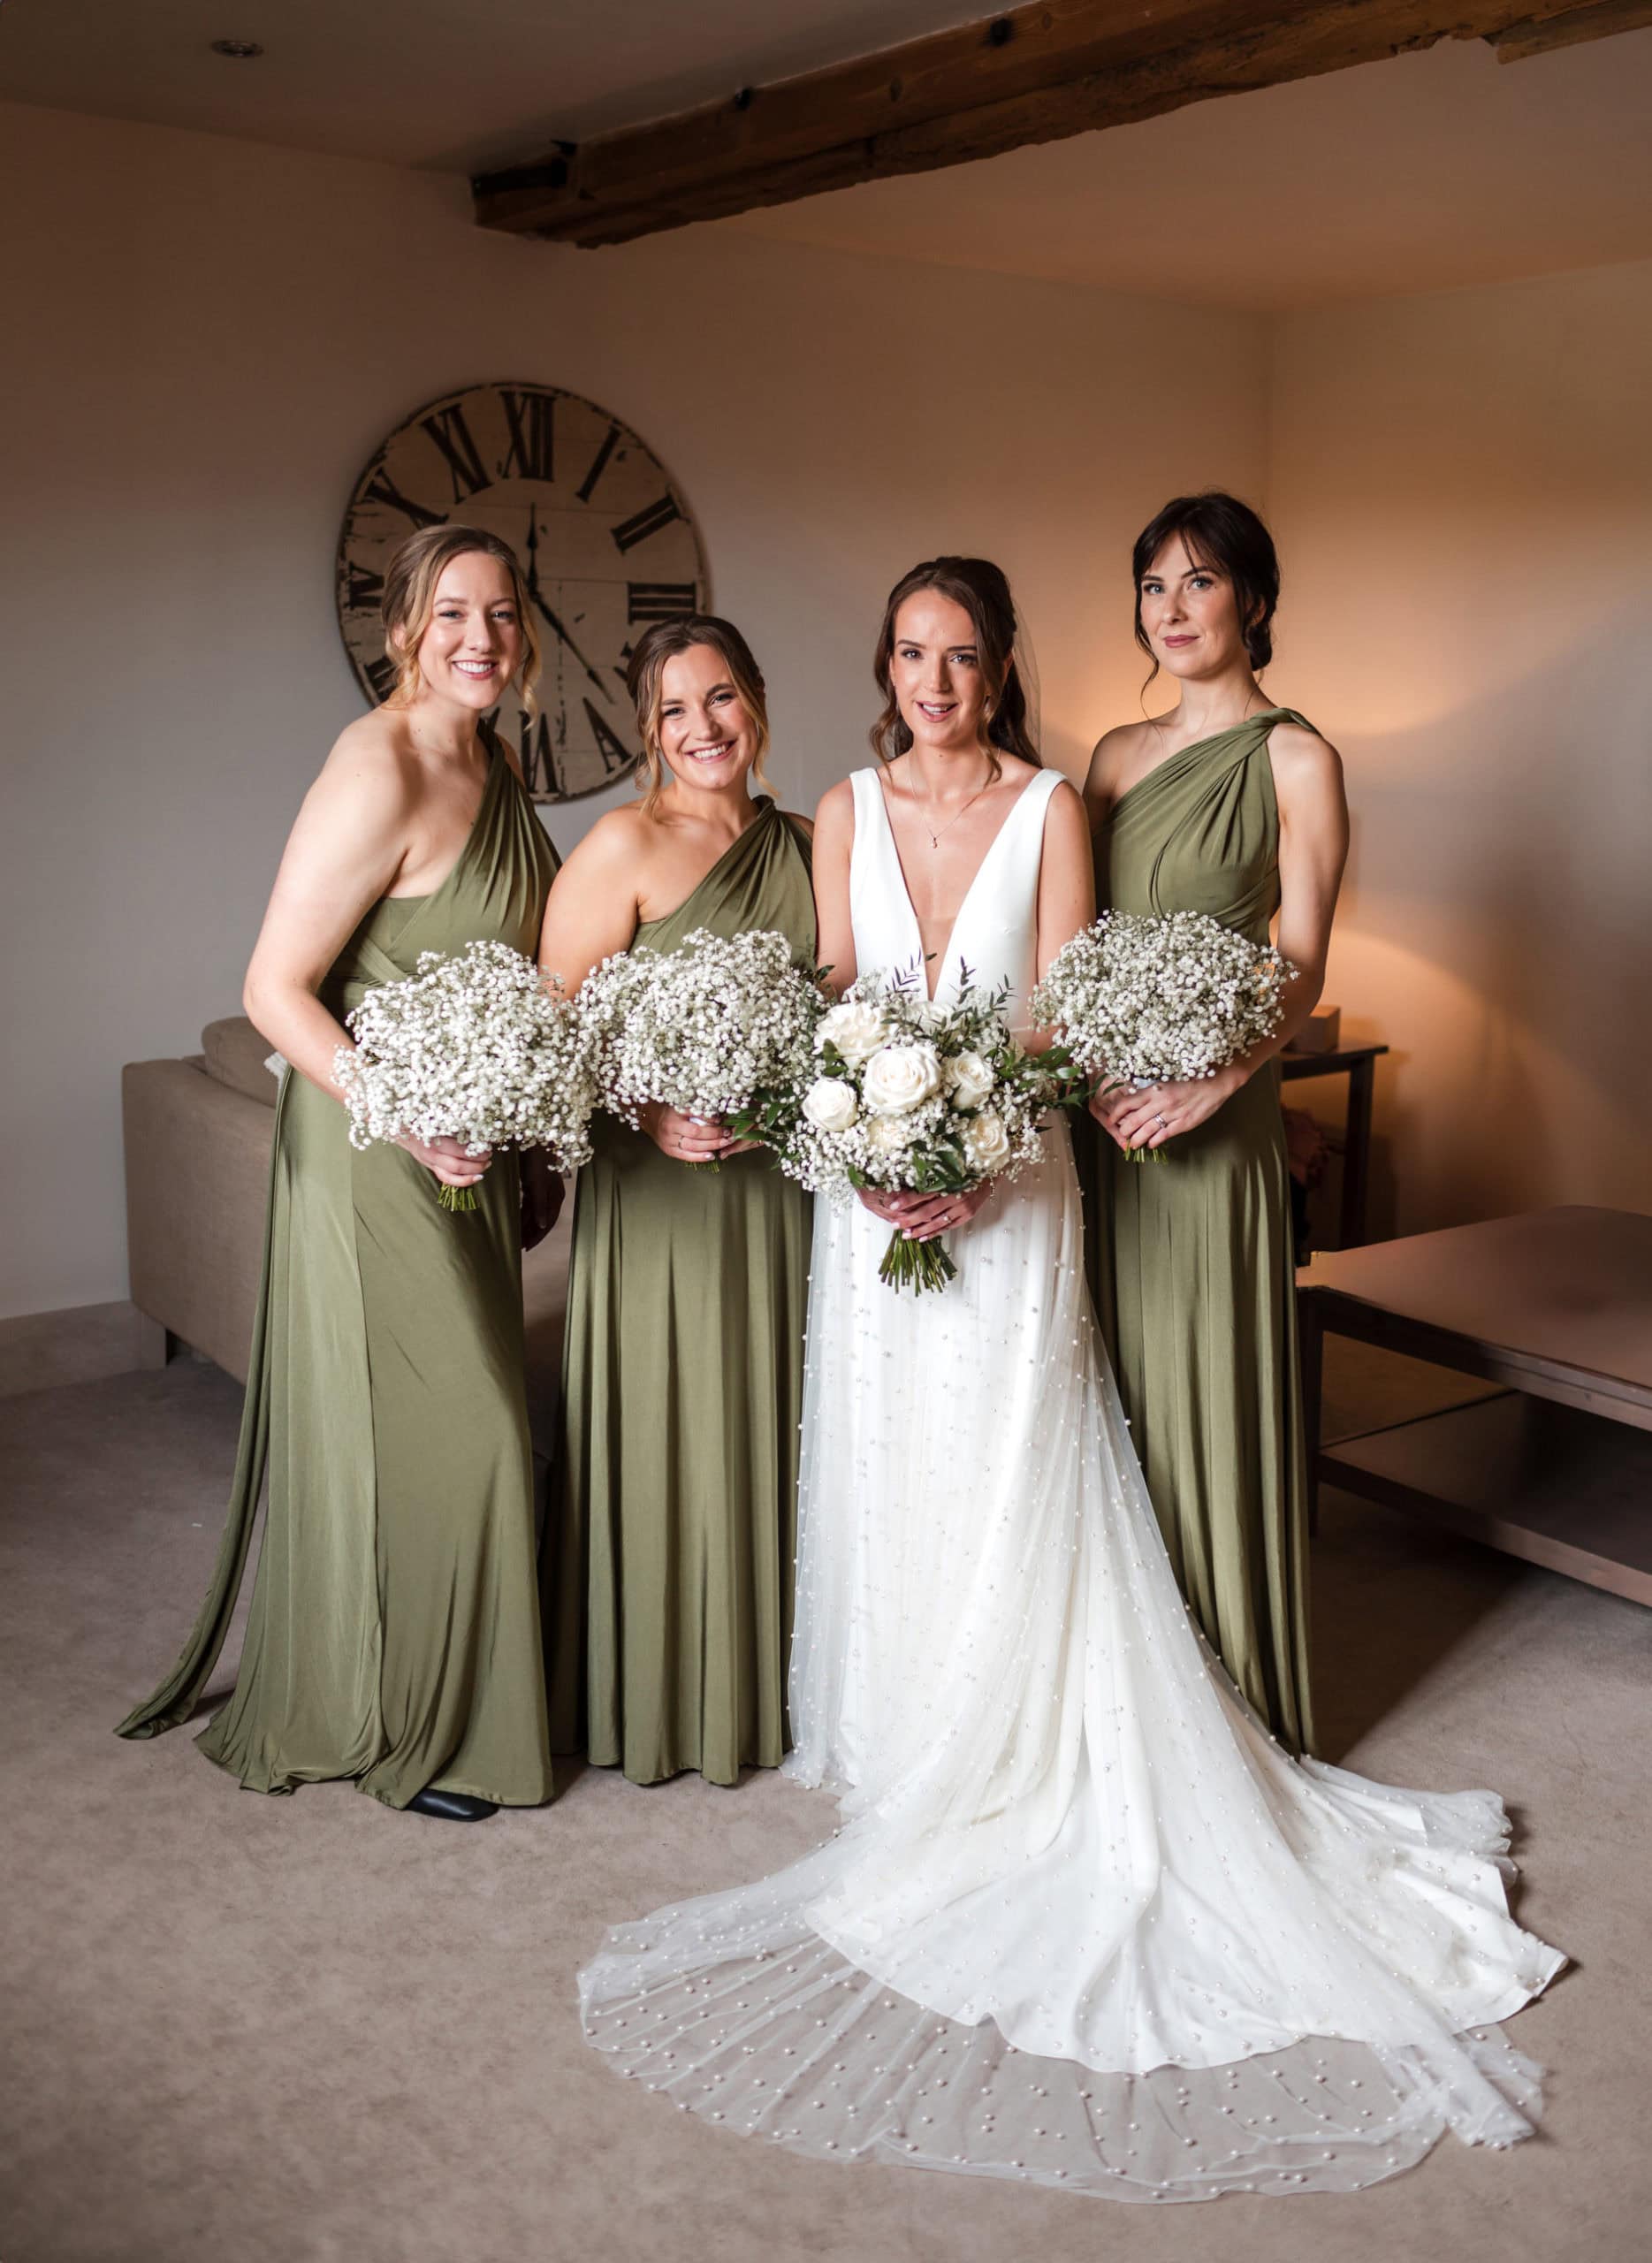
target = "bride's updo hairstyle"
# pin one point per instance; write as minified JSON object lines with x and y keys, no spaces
{"x":644,"y":680}
{"x":982,"y":589}
{"x":409,"y":602}
{"x":1216,"y":530}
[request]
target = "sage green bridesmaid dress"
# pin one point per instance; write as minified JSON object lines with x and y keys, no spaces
{"x":394,"y":1634}
{"x":1190,"y":1258}
{"x":682,"y":1389}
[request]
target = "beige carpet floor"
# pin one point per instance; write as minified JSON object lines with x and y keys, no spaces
{"x":240,"y":2030}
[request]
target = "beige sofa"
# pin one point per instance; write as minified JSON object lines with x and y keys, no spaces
{"x":197,"y":1139}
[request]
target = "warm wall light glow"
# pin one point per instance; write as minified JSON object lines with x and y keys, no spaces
{"x":1484,"y":1109}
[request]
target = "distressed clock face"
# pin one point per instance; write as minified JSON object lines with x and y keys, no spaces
{"x":605,"y":538}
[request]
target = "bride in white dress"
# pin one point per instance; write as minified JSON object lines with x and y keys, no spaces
{"x":1082,"y":1922}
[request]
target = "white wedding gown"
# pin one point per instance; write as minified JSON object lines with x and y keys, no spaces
{"x":1082,"y":1922}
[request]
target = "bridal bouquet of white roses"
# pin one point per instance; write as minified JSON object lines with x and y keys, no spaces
{"x":1143,"y":1001}
{"x":475,"y":1047}
{"x":907,"y":1095}
{"x":720,"y":1026}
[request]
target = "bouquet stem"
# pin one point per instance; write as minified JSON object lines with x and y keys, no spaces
{"x":916,"y":1265}
{"x":457,"y":1198}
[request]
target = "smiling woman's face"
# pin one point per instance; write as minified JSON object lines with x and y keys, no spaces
{"x":474,"y":644}
{"x":1189,"y":614}
{"x":935,"y":672}
{"x":707,"y":734}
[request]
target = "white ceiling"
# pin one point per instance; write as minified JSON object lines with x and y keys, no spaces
{"x":1436,"y":170}
{"x":1426,"y":173}
{"x":460,"y":85}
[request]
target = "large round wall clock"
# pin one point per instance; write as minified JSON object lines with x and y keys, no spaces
{"x":605,"y":540}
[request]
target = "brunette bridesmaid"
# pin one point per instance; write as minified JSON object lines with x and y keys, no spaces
{"x":682,"y":1374}
{"x":1233,"y":805}
{"x":393,"y":1636}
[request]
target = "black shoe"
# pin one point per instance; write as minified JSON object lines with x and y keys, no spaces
{"x":453,"y":1807}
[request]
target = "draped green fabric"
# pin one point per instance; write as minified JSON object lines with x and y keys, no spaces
{"x":393,"y":1634}
{"x":683,"y":1382}
{"x":1190,"y":1259}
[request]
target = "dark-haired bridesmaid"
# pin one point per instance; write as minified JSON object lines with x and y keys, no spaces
{"x":682,"y":1374}
{"x":1232,"y":805}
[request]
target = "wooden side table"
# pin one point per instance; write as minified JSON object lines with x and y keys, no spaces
{"x":1556,"y":1306}
{"x":1357,"y":1063}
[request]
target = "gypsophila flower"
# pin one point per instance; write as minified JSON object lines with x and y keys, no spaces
{"x":475,"y":1047}
{"x":1155,"y":1001}
{"x":720,"y":1026}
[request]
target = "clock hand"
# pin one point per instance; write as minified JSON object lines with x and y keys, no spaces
{"x":561,"y":634}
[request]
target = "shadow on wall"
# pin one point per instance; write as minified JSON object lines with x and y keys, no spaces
{"x":1495,"y":934}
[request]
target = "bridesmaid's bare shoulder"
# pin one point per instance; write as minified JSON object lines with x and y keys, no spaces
{"x":1308,"y":788}
{"x":1299,"y":753}
{"x":371,"y":772}
{"x":621,"y":842}
{"x":1116,"y":755}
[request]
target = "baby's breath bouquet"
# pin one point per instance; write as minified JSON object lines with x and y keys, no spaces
{"x":475,"y":1047}
{"x":720,"y":1026}
{"x":1143,"y":1001}
{"x":907,"y":1095}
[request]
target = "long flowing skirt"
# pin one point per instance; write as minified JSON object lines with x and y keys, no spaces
{"x":1082,"y":1921}
{"x":682,"y":1386}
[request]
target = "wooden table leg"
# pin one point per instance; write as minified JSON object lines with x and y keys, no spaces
{"x":1311,"y":1352}
{"x":1357,"y":1154}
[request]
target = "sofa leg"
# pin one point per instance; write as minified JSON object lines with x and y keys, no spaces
{"x":157,"y":1345}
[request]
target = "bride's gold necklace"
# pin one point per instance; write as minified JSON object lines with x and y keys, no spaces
{"x":935,"y":837}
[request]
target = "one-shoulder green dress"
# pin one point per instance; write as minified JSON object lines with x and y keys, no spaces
{"x":1190,"y":1258}
{"x":682,"y":1386}
{"x":393,"y":1636}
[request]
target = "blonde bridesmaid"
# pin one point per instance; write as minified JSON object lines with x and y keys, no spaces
{"x":683,"y":1368}
{"x":393,"y":1637}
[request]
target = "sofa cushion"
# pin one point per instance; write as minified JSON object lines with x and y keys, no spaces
{"x":235,"y":1055}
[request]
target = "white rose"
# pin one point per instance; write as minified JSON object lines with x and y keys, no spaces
{"x":856,"y":1030}
{"x":899,"y":1076}
{"x":970,"y":1080}
{"x":830,"y":1105}
{"x":987,"y":1143}
{"x":888,"y":1135}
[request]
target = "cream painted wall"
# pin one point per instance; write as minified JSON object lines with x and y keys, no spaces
{"x":204,"y":339}
{"x":1461,"y":486}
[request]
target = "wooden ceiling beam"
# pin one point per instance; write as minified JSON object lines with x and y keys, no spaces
{"x":1540,"y":35}
{"x":1035,"y":73}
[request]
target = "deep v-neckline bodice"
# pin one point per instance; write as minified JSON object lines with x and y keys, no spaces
{"x":943,"y":957}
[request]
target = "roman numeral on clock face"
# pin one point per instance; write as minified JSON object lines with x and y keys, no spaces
{"x":529,"y":416}
{"x":382,"y":489}
{"x":451,"y":435}
{"x":644,"y":523}
{"x":614,"y":752}
{"x":658,"y":600}
{"x":381,"y":674}
{"x":363,"y":587}
{"x":598,"y":463}
{"x":538,"y":755}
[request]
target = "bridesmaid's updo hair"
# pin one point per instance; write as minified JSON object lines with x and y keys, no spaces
{"x":409,"y":602}
{"x":982,"y":589}
{"x":1217,"y":529}
{"x":645,"y":677}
